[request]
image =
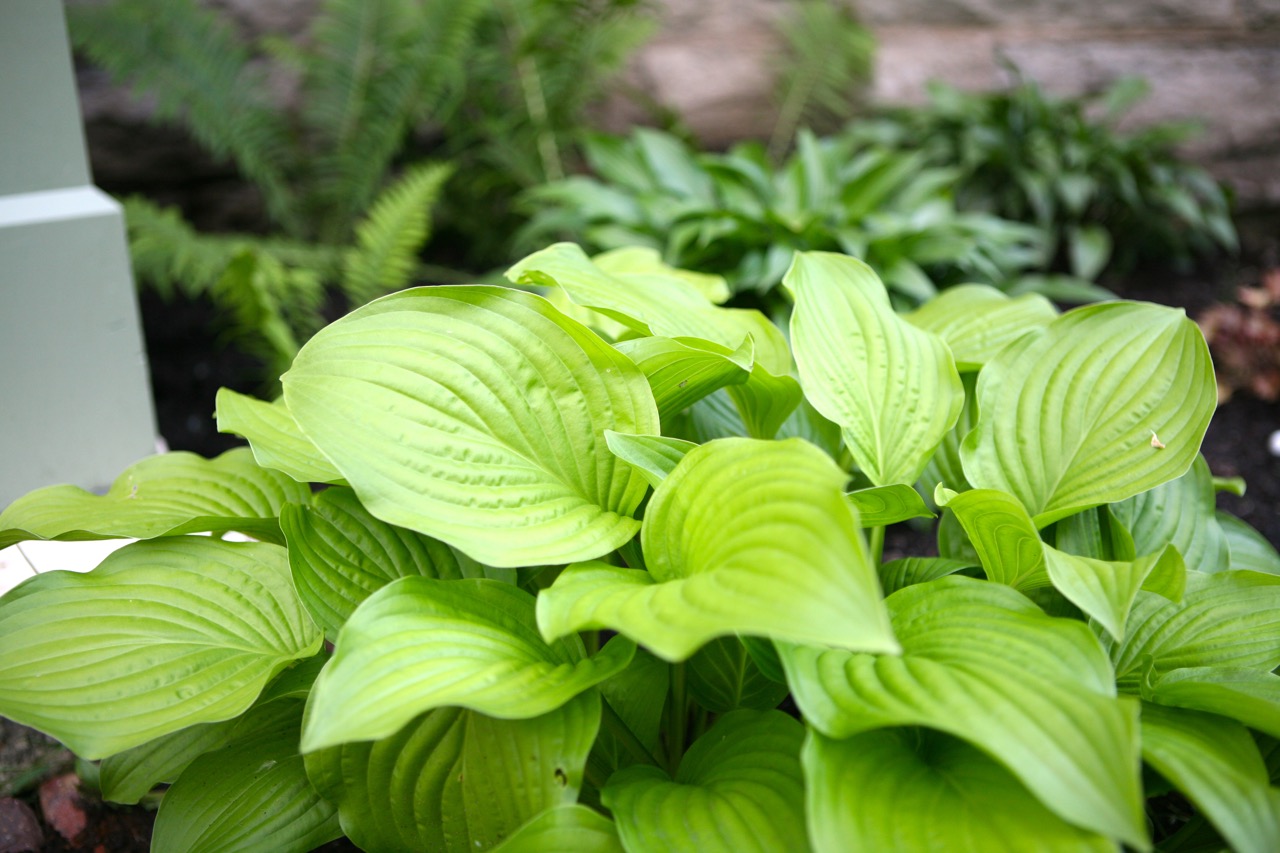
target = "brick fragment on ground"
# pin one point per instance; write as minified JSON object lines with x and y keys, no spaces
{"x":62,"y":806}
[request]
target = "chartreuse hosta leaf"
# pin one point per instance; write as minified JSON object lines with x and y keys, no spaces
{"x":1106,"y":402}
{"x":1106,"y":589}
{"x":977,"y":321}
{"x":1180,"y":513}
{"x":1248,"y":548}
{"x":883,"y":505}
{"x":487,"y":429}
{"x":575,"y":828}
{"x":274,"y":436}
{"x":638,"y":263}
{"x":1002,"y":533}
{"x":648,"y":304}
{"x":1215,"y":762}
{"x":340,"y":555}
{"x":654,"y":456}
{"x":682,"y":371}
{"x":908,"y":571}
{"x":908,"y":789}
{"x":765,"y":402}
{"x":421,"y":643}
{"x":744,"y":536}
{"x":739,"y":787}
{"x":456,"y":780}
{"x":983,"y":663}
{"x":160,"y":496}
{"x":250,"y":795}
{"x":893,"y":388}
{"x":162,"y":635}
{"x":1249,"y":695}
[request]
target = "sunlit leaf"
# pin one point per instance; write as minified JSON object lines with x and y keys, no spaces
{"x":882,"y":505}
{"x":1105,"y":590}
{"x":977,"y":321}
{"x":1003,"y":535}
{"x":682,"y":371}
{"x":1179,"y":513}
{"x":274,"y":437}
{"x":654,"y":456}
{"x":1248,"y":695}
{"x":575,"y":828}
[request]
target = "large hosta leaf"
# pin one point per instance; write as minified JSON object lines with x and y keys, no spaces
{"x":1107,"y":401}
{"x":274,"y":436}
{"x":1216,"y":763}
{"x":420,"y":643}
{"x":476,"y":415}
{"x":915,"y":789}
{"x":252,"y":795}
{"x":983,"y":663}
{"x":977,"y":321}
{"x":1179,"y":513}
{"x":1248,"y":695}
{"x":455,"y":780}
{"x":681,"y":371}
{"x":744,"y":536}
{"x":165,"y":495}
{"x":1248,"y":548}
{"x":162,"y":635}
{"x":340,"y":555}
{"x":739,"y":787}
{"x":892,"y":387}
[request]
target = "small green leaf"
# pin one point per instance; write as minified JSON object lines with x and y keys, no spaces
{"x":575,"y":828}
{"x":420,"y":643}
{"x":1180,"y":513}
{"x":682,"y":371}
{"x":723,"y":537}
{"x":1106,"y":402}
{"x":251,"y":795}
{"x":739,"y":787}
{"x":1106,"y":590}
{"x":162,"y":635}
{"x":274,"y":437}
{"x":1003,"y":535}
{"x":765,"y":402}
{"x":1089,"y":248}
{"x":491,"y":411}
{"x":897,"y":574}
{"x":1248,"y":549}
{"x":166,"y":495}
{"x":1247,"y":695}
{"x":892,"y":387}
{"x":340,"y":555}
{"x":723,"y":677}
{"x":914,"y":789}
{"x":879,"y":506}
{"x":1215,"y":762}
{"x":977,"y":321}
{"x":654,"y":456}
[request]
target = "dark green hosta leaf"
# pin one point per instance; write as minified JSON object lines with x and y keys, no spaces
{"x":638,"y":695}
{"x":914,"y":789}
{"x":274,"y":436}
{"x":420,"y":643}
{"x":882,"y":505}
{"x":723,"y":677}
{"x":891,"y":386}
{"x":340,"y":555}
{"x":913,"y":570}
{"x":739,"y":787}
{"x":1097,"y":534}
{"x":1248,"y":548}
{"x":1075,"y":415}
{"x":576,"y":828}
{"x":1247,"y":695}
{"x":165,"y":495}
{"x":1229,"y":619}
{"x":250,"y":795}
{"x":652,"y":304}
{"x":1180,"y":513}
{"x":744,"y":536}
{"x":162,"y":635}
{"x":977,"y":321}
{"x":654,"y":456}
{"x":491,"y":408}
{"x":456,"y":780}
{"x":1216,"y":763}
{"x":981,"y":662}
{"x":681,"y":371}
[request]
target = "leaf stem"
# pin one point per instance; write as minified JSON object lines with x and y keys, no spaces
{"x":677,"y":718}
{"x":619,"y":729}
{"x":877,"y":544}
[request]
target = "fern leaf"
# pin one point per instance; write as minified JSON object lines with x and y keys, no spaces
{"x":387,"y":241}
{"x":248,"y":292}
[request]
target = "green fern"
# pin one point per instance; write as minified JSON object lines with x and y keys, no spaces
{"x":385,"y":254}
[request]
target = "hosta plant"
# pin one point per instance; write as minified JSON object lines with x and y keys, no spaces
{"x":522,"y":580}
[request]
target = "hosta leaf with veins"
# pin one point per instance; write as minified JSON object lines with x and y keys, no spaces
{"x":476,"y":415}
{"x":1105,"y":402}
{"x":744,"y":536}
{"x":274,"y":437}
{"x":977,"y":321}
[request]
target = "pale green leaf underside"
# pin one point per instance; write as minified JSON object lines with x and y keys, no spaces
{"x":1179,"y":513}
{"x":909,"y":790}
{"x":1248,"y":548}
{"x":649,"y":304}
{"x":654,"y":456}
{"x":162,"y":635}
{"x":739,"y":787}
{"x":420,"y":643}
{"x":977,"y":321}
{"x":340,"y":555}
{"x":576,"y":828}
{"x":746,"y":537}
{"x":1066,"y":416}
{"x":491,"y":408}
{"x":455,"y":780}
{"x":681,"y":371}
{"x":882,"y":505}
{"x":892,"y":387}
{"x":983,"y":663}
{"x":164,"y":495}
{"x":274,"y":437}
{"x":1215,"y":762}
{"x":252,"y":795}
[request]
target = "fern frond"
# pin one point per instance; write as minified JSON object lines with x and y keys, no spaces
{"x":248,"y":292}
{"x":387,"y":241}
{"x":826,"y":62}
{"x":200,"y":74}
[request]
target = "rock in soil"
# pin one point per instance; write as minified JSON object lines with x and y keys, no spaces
{"x":19,"y":828}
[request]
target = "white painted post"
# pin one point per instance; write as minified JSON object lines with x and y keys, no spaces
{"x":75,"y":402}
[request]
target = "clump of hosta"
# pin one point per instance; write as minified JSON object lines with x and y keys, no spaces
{"x":570,"y":567}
